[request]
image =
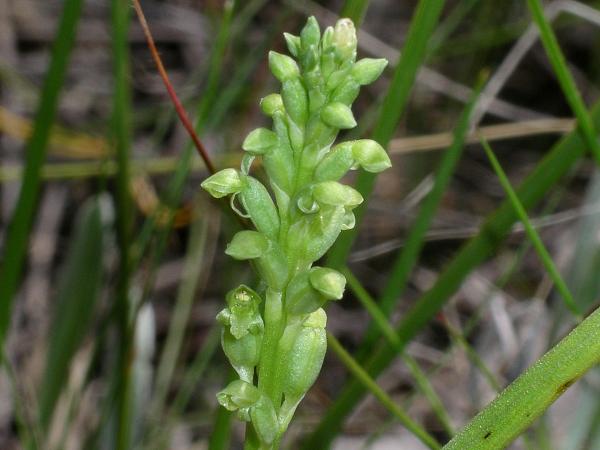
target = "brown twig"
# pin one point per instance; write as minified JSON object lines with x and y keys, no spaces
{"x":176,"y":102}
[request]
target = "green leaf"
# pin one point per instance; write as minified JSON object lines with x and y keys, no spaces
{"x":76,"y":298}
{"x":17,"y":236}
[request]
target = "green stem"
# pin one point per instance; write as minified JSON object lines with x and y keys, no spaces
{"x":534,"y":391}
{"x":274,"y":324}
{"x":363,"y":377}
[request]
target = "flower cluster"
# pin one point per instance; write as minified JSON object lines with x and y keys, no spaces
{"x":277,"y":348}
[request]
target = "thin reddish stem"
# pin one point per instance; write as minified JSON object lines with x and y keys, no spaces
{"x":172,"y":94}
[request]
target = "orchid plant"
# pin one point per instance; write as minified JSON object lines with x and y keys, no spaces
{"x":274,"y":335}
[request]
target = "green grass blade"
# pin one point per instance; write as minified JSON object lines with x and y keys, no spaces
{"x":567,"y":84}
{"x":534,"y":391}
{"x":220,"y":438}
{"x":355,"y":10}
{"x":548,"y":172}
{"x":415,"y":50}
{"x":388,"y":331}
{"x":408,"y":257}
{"x":533,"y":236}
{"x":17,"y":236}
{"x":78,"y":292}
{"x":121,"y":135}
{"x":363,"y":377}
{"x":181,"y":313}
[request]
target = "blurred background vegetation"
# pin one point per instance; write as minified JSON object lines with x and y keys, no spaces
{"x":112,"y":266}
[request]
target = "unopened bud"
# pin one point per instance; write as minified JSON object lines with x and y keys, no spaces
{"x":338,"y":115}
{"x":370,"y":155}
{"x":247,"y":244}
{"x":259,"y":141}
{"x":271,"y":104}
{"x":332,"y":193}
{"x":282,"y":66}
{"x":367,"y":70}
{"x":222,"y":183}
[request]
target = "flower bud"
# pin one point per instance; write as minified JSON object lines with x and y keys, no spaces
{"x":333,"y":193}
{"x":260,"y":207}
{"x":306,"y":356}
{"x":259,"y":141}
{"x":295,"y":100}
{"x":327,"y":40}
{"x":367,"y":70}
{"x":293,"y":44}
{"x":271,"y":103}
{"x":270,"y":262}
{"x":311,"y":33}
{"x":238,"y":394}
{"x":338,"y":115}
{"x":282,"y":66}
{"x":370,"y":155}
{"x":222,"y":183}
{"x":336,"y":163}
{"x":309,"y":60}
{"x":330,"y":283}
{"x":346,"y":92}
{"x":247,"y":244}
{"x":344,"y":40}
{"x":310,"y":290}
{"x":264,"y":420}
